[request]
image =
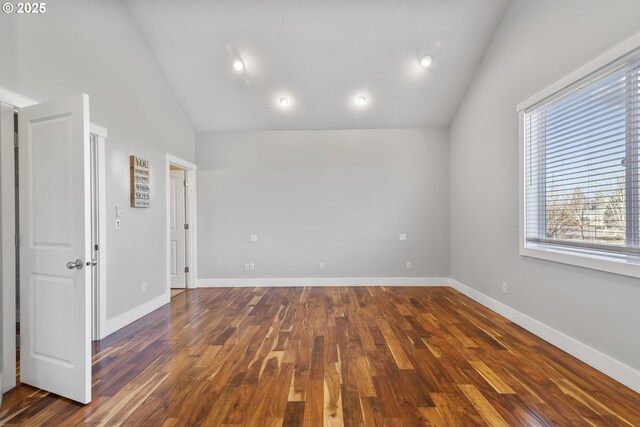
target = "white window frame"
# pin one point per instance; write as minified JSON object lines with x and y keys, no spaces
{"x":620,"y":264}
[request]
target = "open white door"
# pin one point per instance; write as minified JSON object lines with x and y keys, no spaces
{"x":177,"y":233}
{"x":55,"y":238}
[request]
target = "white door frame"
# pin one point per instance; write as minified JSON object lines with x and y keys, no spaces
{"x":8,"y":248}
{"x":101,"y":318}
{"x":191,"y":215}
{"x":14,"y":100}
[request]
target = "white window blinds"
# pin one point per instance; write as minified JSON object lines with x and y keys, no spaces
{"x":582,"y":162}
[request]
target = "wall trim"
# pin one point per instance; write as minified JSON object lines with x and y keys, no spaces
{"x":17,"y":100}
{"x":8,"y":245}
{"x":101,"y":318}
{"x":606,"y":364}
{"x":126,"y":318}
{"x":323,"y":281}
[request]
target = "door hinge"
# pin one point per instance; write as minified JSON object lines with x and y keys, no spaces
{"x":17,"y":240}
{"x":186,"y":226}
{"x":186,"y":269}
{"x":15,"y":139}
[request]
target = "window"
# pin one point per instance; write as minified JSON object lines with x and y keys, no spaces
{"x":581,"y":166}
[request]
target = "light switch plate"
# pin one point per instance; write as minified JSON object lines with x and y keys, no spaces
{"x":253,"y":237}
{"x":118,"y":211}
{"x":403,"y":237}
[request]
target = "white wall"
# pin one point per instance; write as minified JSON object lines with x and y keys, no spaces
{"x":94,"y":47}
{"x":338,"y":197}
{"x":537,"y":43}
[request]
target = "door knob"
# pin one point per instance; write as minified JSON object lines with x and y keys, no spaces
{"x":75,"y":264}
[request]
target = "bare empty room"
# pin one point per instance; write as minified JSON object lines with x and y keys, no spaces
{"x":320,"y":213}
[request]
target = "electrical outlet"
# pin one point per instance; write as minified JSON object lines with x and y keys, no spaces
{"x":144,"y":286}
{"x":409,"y":266}
{"x":118,"y":224}
{"x":403,"y":237}
{"x":246,"y":266}
{"x":321,"y":266}
{"x":252,"y":266}
{"x":504,"y":287}
{"x":253,"y":237}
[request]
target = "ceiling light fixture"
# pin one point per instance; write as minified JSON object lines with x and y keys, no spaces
{"x":238,"y":65}
{"x":361,"y":100}
{"x":284,"y":101}
{"x":426,"y":61}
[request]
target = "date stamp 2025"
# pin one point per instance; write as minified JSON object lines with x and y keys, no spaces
{"x":25,"y":8}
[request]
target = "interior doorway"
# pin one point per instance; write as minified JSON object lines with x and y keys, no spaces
{"x":181,"y":224}
{"x":178,"y":228}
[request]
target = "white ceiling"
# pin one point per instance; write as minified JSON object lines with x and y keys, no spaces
{"x":320,"y":53}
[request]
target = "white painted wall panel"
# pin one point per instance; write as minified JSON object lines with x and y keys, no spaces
{"x":537,"y":43}
{"x":337,"y":197}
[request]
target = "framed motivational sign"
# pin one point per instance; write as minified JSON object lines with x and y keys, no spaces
{"x":140,"y":185}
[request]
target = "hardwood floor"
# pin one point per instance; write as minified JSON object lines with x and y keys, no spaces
{"x":176,"y":292}
{"x":353,"y":356}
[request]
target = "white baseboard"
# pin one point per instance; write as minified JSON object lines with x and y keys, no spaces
{"x":600,"y":361}
{"x":122,"y":320}
{"x":324,"y":281}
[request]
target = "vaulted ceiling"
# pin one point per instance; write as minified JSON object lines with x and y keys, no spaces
{"x":320,"y":55}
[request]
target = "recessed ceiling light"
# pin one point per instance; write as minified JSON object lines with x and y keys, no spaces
{"x":361,"y":100}
{"x":238,"y":65}
{"x":426,"y":61}
{"x":284,"y":102}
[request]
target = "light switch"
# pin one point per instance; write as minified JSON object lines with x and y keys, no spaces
{"x":403,"y":237}
{"x":252,"y":266}
{"x":118,"y":211}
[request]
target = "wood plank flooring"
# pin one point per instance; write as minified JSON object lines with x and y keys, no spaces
{"x":176,"y":292}
{"x":352,"y":356}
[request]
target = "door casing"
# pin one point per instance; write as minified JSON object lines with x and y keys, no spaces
{"x":7,"y":182}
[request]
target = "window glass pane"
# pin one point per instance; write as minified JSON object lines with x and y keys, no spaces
{"x":582,"y":162}
{"x":584,"y":167}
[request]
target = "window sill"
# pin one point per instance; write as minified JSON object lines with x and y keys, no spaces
{"x":619,"y":264}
